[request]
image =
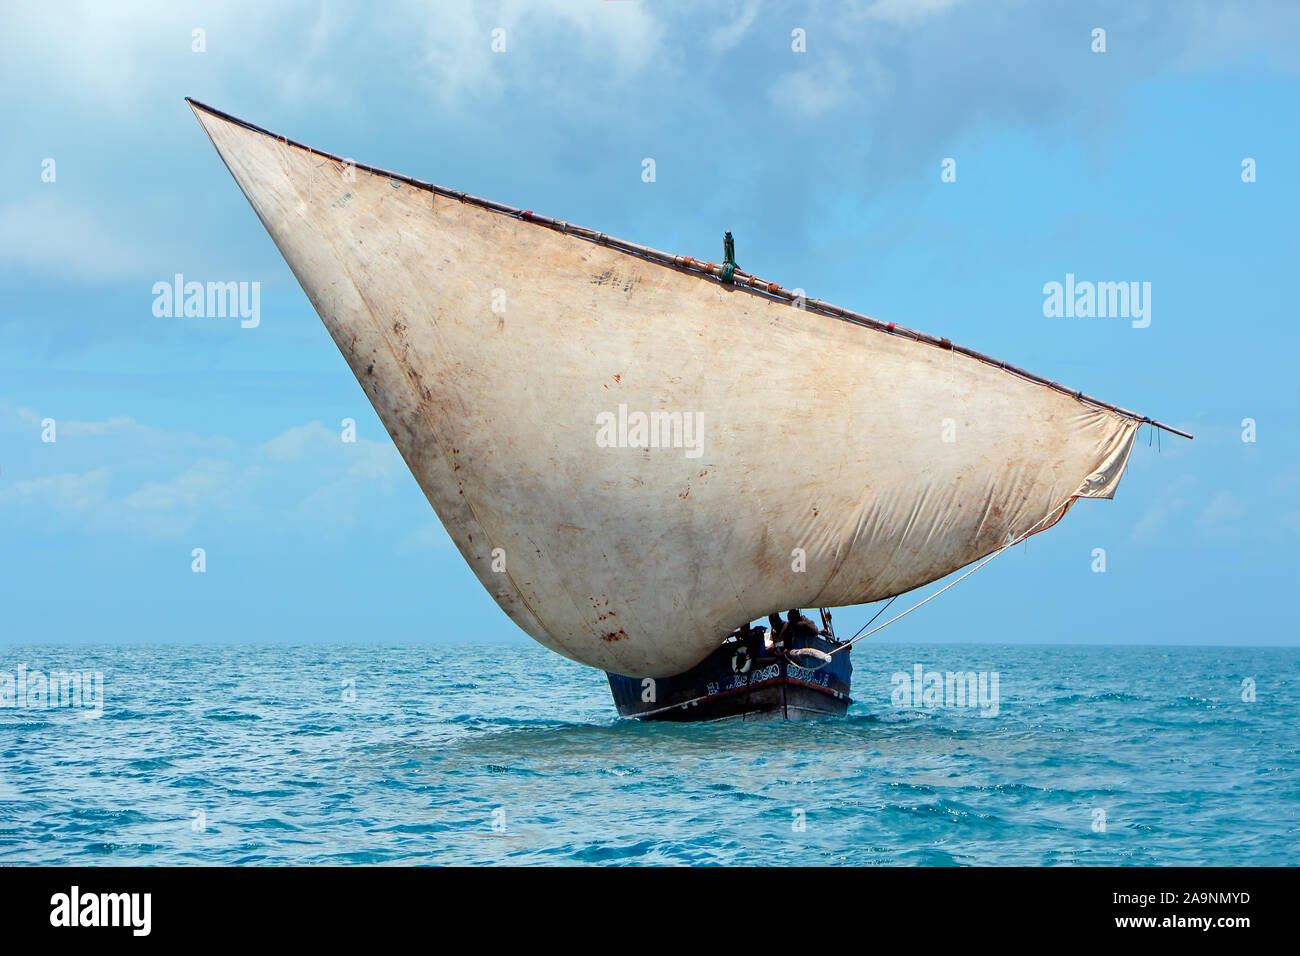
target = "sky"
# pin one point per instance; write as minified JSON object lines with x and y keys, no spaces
{"x":1171,"y":157}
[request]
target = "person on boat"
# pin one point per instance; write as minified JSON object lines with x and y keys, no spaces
{"x":747,"y":635}
{"x":742,"y":635}
{"x":798,"y":625}
{"x":777,"y":625}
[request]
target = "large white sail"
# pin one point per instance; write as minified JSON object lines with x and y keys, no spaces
{"x":791,"y":458}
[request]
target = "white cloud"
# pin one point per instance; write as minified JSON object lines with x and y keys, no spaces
{"x":1173,"y":501}
{"x":812,"y":91}
{"x":46,"y":233}
{"x":296,"y":442}
{"x":123,"y":429}
{"x":307,"y":77}
{"x":906,"y":12}
{"x":1223,"y":514}
{"x":735,"y":23}
{"x":626,"y":36}
{"x":615,"y":39}
{"x":1218,"y":33}
{"x":306,"y":474}
{"x":425,"y":538}
{"x":65,"y":495}
{"x":205,"y":485}
{"x":119,"y":57}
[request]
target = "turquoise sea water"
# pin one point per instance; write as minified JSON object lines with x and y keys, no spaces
{"x":510,"y":754}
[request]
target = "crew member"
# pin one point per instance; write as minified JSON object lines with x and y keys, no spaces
{"x":797,"y":625}
{"x":777,"y":625}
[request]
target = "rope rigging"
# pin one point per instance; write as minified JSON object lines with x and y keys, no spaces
{"x":1010,"y":544}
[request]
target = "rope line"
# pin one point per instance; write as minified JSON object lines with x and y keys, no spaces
{"x":1010,"y":544}
{"x":873,"y":619}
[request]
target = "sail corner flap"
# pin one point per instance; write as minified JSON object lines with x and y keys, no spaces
{"x":1104,"y":479}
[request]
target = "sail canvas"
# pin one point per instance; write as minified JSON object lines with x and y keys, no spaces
{"x":634,"y":457}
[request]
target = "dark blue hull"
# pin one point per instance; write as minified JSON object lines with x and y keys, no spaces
{"x":735,"y":682}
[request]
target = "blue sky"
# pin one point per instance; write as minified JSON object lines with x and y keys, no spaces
{"x":181,"y":433}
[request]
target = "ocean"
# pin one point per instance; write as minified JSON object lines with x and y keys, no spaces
{"x":508,"y":754}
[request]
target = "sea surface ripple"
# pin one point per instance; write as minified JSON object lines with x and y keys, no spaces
{"x":507,"y":754}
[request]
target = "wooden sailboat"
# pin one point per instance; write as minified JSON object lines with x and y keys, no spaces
{"x":619,"y":440}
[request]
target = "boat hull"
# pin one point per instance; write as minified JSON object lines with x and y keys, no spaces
{"x":736,"y":684}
